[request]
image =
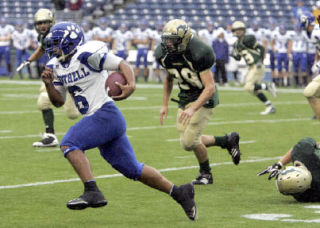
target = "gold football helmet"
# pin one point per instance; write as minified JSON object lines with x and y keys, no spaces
{"x":238,"y":28}
{"x":43,"y":16}
{"x":294,"y":179}
{"x":176,"y":35}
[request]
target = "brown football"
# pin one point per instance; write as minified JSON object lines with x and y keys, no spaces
{"x":111,"y":87}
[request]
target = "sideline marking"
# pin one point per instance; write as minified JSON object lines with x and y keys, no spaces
{"x":119,"y":175}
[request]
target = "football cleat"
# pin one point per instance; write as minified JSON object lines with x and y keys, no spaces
{"x":269,"y":110}
{"x":88,"y":199}
{"x":203,"y":178}
{"x":233,"y":146}
{"x":48,"y":140}
{"x":184,"y":195}
{"x":272,"y":89}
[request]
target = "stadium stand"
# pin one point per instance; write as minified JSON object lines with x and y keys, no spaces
{"x":197,"y":12}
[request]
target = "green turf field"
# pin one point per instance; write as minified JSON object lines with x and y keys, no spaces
{"x":35,"y":184}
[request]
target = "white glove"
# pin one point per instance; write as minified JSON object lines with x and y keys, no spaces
{"x":22,"y":65}
{"x":316,"y":67}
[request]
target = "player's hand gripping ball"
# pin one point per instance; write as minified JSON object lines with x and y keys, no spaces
{"x":111,"y":87}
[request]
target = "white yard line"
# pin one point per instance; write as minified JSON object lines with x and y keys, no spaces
{"x":171,"y":107}
{"x":119,"y":175}
{"x":5,"y":131}
{"x":173,"y":126}
{"x":152,"y":86}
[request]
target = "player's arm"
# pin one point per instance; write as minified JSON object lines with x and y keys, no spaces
{"x":274,"y":169}
{"x":289,"y":47}
{"x":167,"y":89}
{"x":261,"y":51}
{"x":104,"y":60}
{"x":206,"y":94}
{"x":6,"y":38}
{"x":35,"y":56}
{"x":114,"y":46}
{"x":209,"y":89}
{"x":130,"y":87}
{"x":235,"y":54}
{"x":54,"y":95}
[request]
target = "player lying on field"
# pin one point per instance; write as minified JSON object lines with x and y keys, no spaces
{"x":302,"y":180}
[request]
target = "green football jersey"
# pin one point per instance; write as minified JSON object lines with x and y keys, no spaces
{"x":249,"y":49}
{"x":307,"y":152}
{"x":186,"y":68}
{"x":41,"y":39}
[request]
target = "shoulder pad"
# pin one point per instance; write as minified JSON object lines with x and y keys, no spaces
{"x":202,"y":55}
{"x":249,"y":41}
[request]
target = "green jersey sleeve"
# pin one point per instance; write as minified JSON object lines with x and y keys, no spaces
{"x":202,"y":55}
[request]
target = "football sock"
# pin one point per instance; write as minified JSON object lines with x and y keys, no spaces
{"x":235,"y":75}
{"x":267,"y":103}
{"x":172,"y":189}
{"x":48,"y":119}
{"x":260,"y":86}
{"x":205,"y":167}
{"x":262,"y":97}
{"x":296,"y":79}
{"x":221,"y":141}
{"x":305,"y":80}
{"x":91,"y":185}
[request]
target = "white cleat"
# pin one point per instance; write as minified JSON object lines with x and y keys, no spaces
{"x":269,"y":110}
{"x":48,"y":140}
{"x":272,"y":89}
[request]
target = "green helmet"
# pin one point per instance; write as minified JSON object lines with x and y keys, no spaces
{"x":176,"y":35}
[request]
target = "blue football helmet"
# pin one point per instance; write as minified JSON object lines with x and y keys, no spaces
{"x":63,"y":40}
{"x":306,"y":20}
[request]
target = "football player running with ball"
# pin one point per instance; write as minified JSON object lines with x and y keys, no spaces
{"x":43,"y":21}
{"x":253,"y":54}
{"x":302,"y":180}
{"x":189,"y":60}
{"x":103,"y":125}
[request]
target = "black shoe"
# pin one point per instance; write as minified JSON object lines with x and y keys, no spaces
{"x":233,"y":147}
{"x":88,"y":199}
{"x":184,"y":195}
{"x":314,"y":117}
{"x":203,"y":178}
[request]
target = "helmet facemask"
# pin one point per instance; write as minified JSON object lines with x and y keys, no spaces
{"x":176,"y":36}
{"x":294,"y":179}
{"x":63,"y":41}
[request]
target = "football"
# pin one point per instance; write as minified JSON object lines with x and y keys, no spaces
{"x":111,"y":87}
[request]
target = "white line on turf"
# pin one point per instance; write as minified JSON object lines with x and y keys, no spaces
{"x":171,"y":106}
{"x":173,"y":126}
{"x":5,"y":131}
{"x":152,"y":86}
{"x":119,"y":175}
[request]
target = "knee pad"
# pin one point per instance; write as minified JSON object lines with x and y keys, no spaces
{"x":311,"y":90}
{"x":189,"y":140}
{"x":44,"y":101}
{"x":70,"y":108}
{"x":72,"y":112}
